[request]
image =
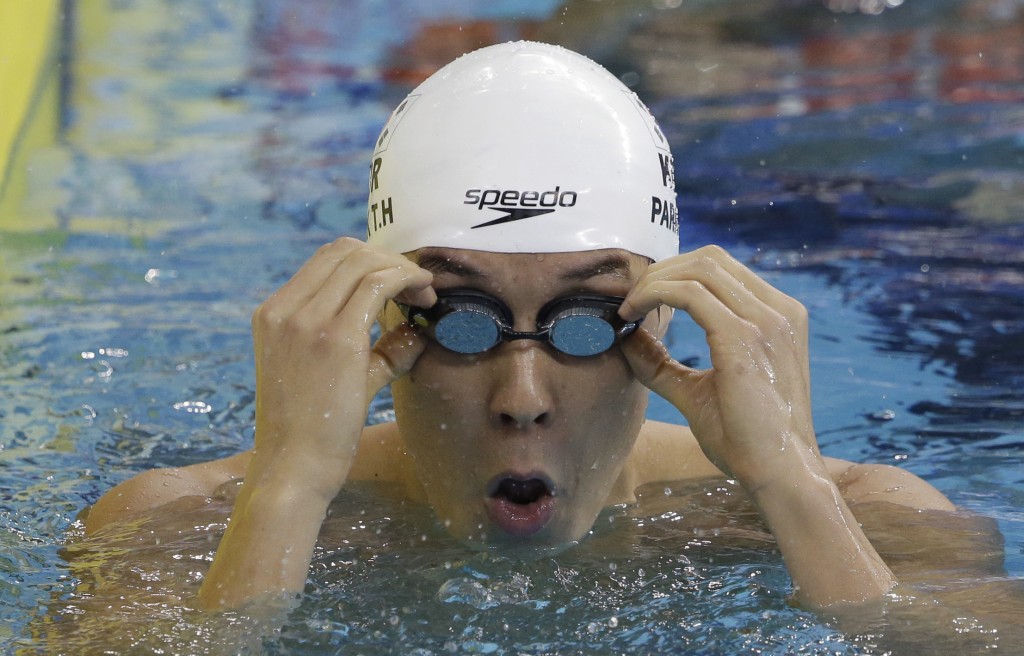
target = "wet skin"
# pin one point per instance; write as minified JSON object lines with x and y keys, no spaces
{"x":521,"y":445}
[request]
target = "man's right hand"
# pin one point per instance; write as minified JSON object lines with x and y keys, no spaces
{"x":316,"y":374}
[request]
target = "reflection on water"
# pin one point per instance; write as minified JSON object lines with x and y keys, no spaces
{"x":871,"y":165}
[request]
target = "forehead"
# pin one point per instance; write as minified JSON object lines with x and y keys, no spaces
{"x":612,"y":264}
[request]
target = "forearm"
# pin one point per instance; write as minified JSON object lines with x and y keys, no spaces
{"x":315,"y":375}
{"x":828,"y":556}
{"x":267,"y":547}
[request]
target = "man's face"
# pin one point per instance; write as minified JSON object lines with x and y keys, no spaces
{"x":521,"y":445}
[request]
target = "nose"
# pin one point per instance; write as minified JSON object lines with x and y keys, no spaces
{"x":521,"y":397}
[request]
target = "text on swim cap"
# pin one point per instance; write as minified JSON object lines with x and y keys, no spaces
{"x":509,"y":199}
{"x":668,"y":174}
{"x":379,"y":215}
{"x":518,"y":205}
{"x":374,"y":172}
{"x":665,"y":213}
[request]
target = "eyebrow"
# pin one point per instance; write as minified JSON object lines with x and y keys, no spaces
{"x":437,"y":263}
{"x":612,"y":264}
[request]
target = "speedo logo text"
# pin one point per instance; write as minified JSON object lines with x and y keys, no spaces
{"x":517,"y":205}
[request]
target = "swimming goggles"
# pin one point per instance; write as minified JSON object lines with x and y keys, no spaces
{"x":470,"y":321}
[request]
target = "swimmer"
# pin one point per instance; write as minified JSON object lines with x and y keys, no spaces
{"x":522,"y":262}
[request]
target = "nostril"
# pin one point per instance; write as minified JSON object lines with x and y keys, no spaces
{"x":511,"y":421}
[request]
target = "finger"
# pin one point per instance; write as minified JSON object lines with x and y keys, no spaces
{"x":792,"y":310}
{"x":791,"y":313}
{"x":310,"y":277}
{"x":423,"y":297}
{"x":393,"y":356}
{"x":372,"y":293}
{"x":655,"y":368}
{"x":386,"y":273}
{"x":752,"y":281}
{"x":691,"y":296}
{"x":655,"y":289}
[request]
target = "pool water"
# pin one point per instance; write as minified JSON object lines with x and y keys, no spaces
{"x":866,"y":157}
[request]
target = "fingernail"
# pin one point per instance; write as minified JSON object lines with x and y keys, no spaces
{"x":628,"y":312}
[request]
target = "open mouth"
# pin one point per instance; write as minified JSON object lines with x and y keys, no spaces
{"x":521,"y":492}
{"x":521,"y":505}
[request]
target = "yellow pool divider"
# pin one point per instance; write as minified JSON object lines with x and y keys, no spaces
{"x":29,"y":99}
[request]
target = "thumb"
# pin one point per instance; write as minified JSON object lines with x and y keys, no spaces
{"x":393,"y":356}
{"x":660,"y":372}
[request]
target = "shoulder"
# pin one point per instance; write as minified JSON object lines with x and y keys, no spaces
{"x":666,"y":452}
{"x":862,"y":483}
{"x":156,"y":487}
{"x":382,"y":458}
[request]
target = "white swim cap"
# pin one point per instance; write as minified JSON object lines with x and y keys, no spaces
{"x":523,"y":148}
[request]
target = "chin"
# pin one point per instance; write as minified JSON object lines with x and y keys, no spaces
{"x":549,"y":541}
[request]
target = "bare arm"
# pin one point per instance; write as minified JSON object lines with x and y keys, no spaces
{"x":316,"y":373}
{"x":949,"y":562}
{"x":751,"y":415}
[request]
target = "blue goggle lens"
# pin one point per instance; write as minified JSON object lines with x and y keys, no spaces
{"x":581,"y":334}
{"x":467,"y":331}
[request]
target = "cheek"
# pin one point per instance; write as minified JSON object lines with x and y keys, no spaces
{"x":434,"y":424}
{"x":434,"y":386}
{"x":610,"y":390}
{"x":609,"y":411}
